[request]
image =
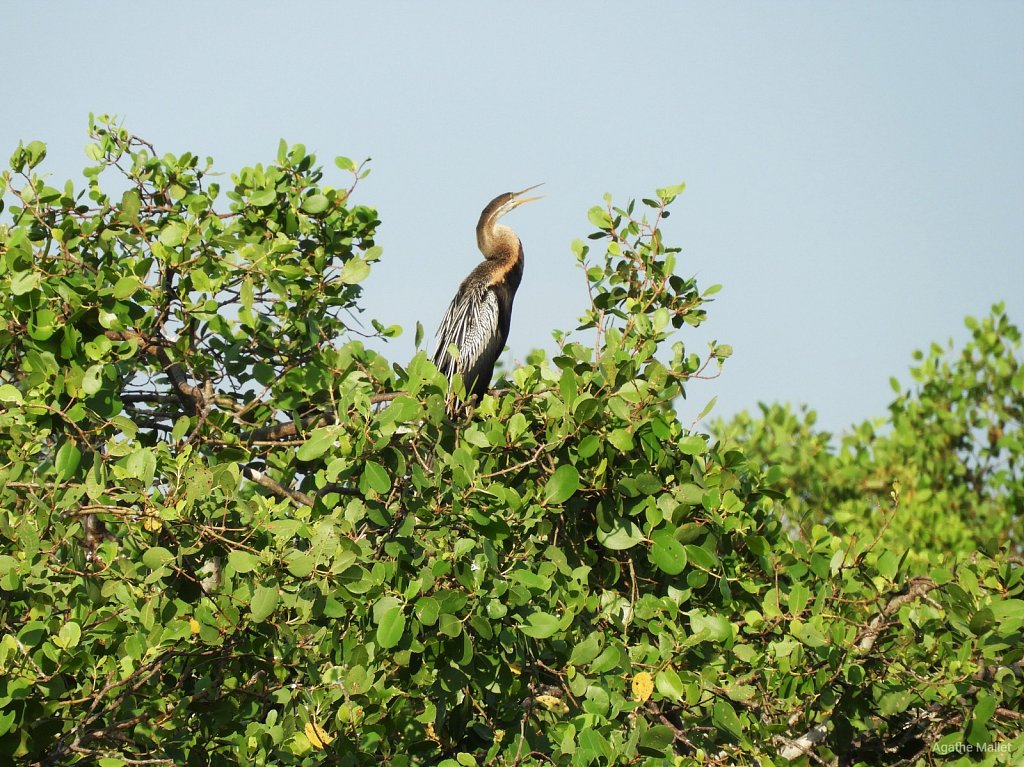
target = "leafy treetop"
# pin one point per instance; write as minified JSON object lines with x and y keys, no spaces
{"x":216,"y":547}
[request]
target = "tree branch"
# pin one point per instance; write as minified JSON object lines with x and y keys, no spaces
{"x":190,"y":396}
{"x":276,"y":488}
{"x":917,"y":588}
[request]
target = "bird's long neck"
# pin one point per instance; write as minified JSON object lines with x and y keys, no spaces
{"x":498,"y":243}
{"x":504,"y":253}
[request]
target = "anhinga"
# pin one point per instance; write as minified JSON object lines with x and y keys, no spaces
{"x":478,"y":319}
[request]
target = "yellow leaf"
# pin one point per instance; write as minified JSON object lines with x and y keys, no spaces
{"x":317,"y":737}
{"x":553,"y":704}
{"x":515,"y":668}
{"x":193,"y":625}
{"x":152,"y":524}
{"x":643,"y":686}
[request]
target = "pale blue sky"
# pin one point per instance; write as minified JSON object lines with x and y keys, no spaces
{"x":855,"y":171}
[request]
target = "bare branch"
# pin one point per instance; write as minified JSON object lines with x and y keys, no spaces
{"x":918,"y":588}
{"x":276,"y":488}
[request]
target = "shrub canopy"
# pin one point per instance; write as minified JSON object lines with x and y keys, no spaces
{"x":218,"y":547}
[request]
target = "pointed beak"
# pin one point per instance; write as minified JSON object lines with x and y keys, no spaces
{"x":517,"y":203}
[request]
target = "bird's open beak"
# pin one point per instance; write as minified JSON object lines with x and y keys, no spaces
{"x":517,"y":203}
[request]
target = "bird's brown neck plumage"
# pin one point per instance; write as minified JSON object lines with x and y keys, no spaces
{"x":496,"y":241}
{"x":502,"y":249}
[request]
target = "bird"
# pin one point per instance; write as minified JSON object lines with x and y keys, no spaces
{"x":478,"y":319}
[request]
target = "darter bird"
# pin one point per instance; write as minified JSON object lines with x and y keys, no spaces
{"x":478,"y":319}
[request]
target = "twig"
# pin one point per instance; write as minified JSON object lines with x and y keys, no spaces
{"x":276,"y":488}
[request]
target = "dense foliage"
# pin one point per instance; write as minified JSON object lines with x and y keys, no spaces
{"x":953,"y":447}
{"x":220,"y":546}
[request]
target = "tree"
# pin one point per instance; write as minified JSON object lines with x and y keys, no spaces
{"x":950,"y":448}
{"x":219,"y":547}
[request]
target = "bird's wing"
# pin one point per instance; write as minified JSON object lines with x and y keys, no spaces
{"x":472,"y":323}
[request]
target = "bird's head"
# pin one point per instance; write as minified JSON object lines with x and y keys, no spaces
{"x":487,"y":234}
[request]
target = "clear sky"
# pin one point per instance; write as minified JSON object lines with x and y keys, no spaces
{"x":855,"y":171}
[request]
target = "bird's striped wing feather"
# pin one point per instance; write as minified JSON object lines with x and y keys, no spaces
{"x":472,"y":324}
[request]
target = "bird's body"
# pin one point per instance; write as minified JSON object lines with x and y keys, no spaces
{"x":478,"y":319}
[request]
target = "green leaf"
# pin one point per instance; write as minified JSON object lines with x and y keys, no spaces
{"x":809,"y":633}
{"x":540,"y":625}
{"x":798,"y":598}
{"x":693,"y":444}
{"x":156,"y":557}
{"x":706,"y":409}
{"x":647,"y":483}
{"x":242,"y":561}
{"x":69,"y":636}
{"x":300,"y":564}
{"x":92,"y":381}
{"x":668,"y":193}
{"x":317,"y":443}
{"x":42,"y":325}
{"x":624,"y":535}
{"x":344,"y":163}
{"x":173,"y":234}
{"x":724,"y":718}
{"x":588,"y":446}
{"x":315,"y":203}
{"x":36,"y":153}
{"x":375,"y":478}
{"x":141,"y":464}
{"x":181,"y":427}
{"x":978,"y":733}
{"x":659,"y":321}
{"x":354,"y":271}
{"x":449,"y":625}
{"x":264,"y":602}
{"x":599,"y":217}
{"x":714,"y":628}
{"x":131,"y":206}
{"x":888,"y":564}
{"x":587,"y":650}
{"x":516,"y":426}
{"x":593,"y":746}
{"x":982,"y":621}
{"x":9,"y":393}
{"x":701,"y":557}
{"x":68,"y":459}
{"x":569,"y":386}
{"x":621,"y":440}
{"x":669,"y":685}
{"x":667,"y":553}
{"x":126,"y":286}
{"x":895,"y":702}
{"x":24,"y":282}
{"x":562,"y":485}
{"x":401,"y":410}
{"x":391,"y":627}
{"x":656,"y":741}
{"x":264,"y":199}
{"x":427,"y":610}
